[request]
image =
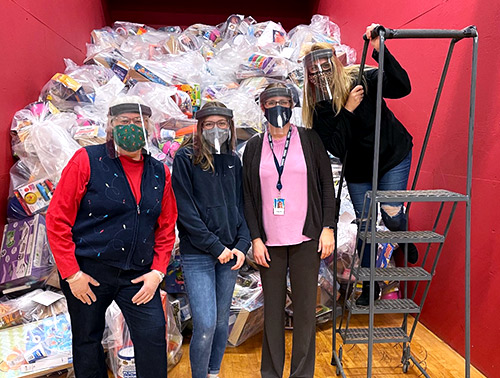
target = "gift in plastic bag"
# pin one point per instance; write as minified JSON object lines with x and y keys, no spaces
{"x":247,"y":309}
{"x":119,"y":343}
{"x":38,"y":336}
{"x":26,"y":258}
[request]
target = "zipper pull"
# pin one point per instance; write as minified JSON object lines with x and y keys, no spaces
{"x":138,"y":209}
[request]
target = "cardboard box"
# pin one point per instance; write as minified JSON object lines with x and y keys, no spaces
{"x":25,"y":257}
{"x":243,"y":324}
{"x":147,"y":74}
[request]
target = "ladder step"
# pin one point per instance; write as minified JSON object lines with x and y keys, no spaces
{"x":403,"y":237}
{"x":386,"y":306}
{"x":435,"y":195}
{"x":413,"y":273}
{"x":380,"y":335}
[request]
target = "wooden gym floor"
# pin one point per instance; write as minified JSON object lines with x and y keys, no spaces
{"x":440,"y":360}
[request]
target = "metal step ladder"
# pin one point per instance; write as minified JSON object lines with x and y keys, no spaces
{"x":423,"y":274}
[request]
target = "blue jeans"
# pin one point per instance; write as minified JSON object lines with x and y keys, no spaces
{"x":210,"y":287}
{"x":145,"y":322}
{"x":395,"y":179}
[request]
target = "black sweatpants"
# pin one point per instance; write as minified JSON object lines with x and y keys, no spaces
{"x":303,"y":262}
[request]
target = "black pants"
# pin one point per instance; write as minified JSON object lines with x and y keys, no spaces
{"x":303,"y":262}
{"x":146,"y":323}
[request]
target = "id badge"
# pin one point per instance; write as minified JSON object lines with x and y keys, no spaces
{"x":279,"y":206}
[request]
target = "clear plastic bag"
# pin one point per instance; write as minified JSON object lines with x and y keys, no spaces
{"x":206,"y":34}
{"x":25,"y":171}
{"x":26,"y":260}
{"x":181,"y":69}
{"x":113,"y":59}
{"x":346,"y":250}
{"x":228,"y":59}
{"x":125,"y":28}
{"x":53,"y":143}
{"x":321,"y":29}
{"x":247,"y":309}
{"x":247,"y":113}
{"x":269,"y":34}
{"x":258,"y":64}
{"x":43,"y":143}
{"x":22,"y":125}
{"x":39,"y":335}
{"x":174,"y":336}
{"x":65,"y":92}
{"x":119,"y":343}
{"x":231,"y":27}
{"x":103,"y":39}
{"x":160,"y":99}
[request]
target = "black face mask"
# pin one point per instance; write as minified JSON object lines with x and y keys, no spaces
{"x":278,"y":116}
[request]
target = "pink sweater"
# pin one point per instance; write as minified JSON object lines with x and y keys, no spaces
{"x":284,"y":229}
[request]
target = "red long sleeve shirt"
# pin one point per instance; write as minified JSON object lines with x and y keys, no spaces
{"x":65,"y":203}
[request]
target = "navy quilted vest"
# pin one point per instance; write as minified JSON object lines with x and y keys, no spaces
{"x":110,"y":226}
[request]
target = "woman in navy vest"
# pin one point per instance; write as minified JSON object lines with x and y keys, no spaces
{"x":213,"y":234}
{"x":111,"y":228}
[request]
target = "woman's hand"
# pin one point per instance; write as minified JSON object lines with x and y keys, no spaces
{"x":355,"y":98}
{"x":79,"y":285}
{"x":260,"y":253}
{"x":150,"y":281}
{"x":326,"y":243}
{"x":240,"y":259}
{"x":375,"y":42}
{"x":225,"y":256}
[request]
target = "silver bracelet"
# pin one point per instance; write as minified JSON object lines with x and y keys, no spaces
{"x":161,"y":275}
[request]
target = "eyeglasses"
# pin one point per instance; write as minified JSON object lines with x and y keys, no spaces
{"x":127,"y":121}
{"x":220,"y":124}
{"x":272,"y":103}
{"x":323,"y":67}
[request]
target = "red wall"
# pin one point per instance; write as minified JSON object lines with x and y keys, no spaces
{"x":444,"y":165}
{"x":34,"y":42}
{"x":33,"y":50}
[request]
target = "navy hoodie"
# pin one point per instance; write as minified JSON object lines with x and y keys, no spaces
{"x":210,"y":204}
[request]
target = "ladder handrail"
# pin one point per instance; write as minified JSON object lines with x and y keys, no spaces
{"x":468,"y":32}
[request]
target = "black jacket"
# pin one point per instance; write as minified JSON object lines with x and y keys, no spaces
{"x":210,"y":204}
{"x":355,"y":132}
{"x":320,"y":191}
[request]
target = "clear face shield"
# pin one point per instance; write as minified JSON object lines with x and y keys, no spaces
{"x":127,"y":129}
{"x":319,"y":73}
{"x":215,"y":129}
{"x":277,"y":104}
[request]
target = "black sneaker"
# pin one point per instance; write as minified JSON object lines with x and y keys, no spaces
{"x":364,"y":298}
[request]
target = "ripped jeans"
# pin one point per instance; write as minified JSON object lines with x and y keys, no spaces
{"x":210,"y":286}
{"x":392,"y":213}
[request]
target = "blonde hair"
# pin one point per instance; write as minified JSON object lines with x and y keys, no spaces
{"x":343,"y":80}
{"x":202,"y":154}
